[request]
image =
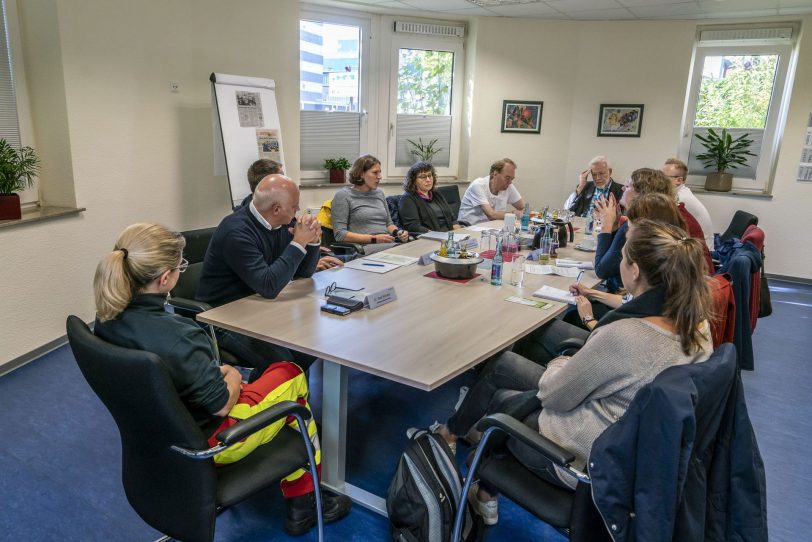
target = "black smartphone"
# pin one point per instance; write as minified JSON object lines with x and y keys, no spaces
{"x":335,"y":309}
{"x":347,"y":303}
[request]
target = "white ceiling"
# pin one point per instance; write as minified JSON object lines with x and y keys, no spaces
{"x":582,"y":10}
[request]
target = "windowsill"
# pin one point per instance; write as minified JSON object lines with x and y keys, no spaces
{"x":738,"y":192}
{"x":304,"y":185}
{"x":38,"y":214}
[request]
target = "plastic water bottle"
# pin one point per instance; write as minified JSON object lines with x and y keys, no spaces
{"x":590,"y":223}
{"x":526,"y":217}
{"x":450,"y":248}
{"x":496,"y":267}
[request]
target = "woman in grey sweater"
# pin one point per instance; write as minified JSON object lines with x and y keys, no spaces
{"x":360,"y":214}
{"x":578,"y":397}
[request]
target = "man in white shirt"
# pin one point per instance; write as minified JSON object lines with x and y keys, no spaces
{"x":487,"y":197}
{"x":676,"y":170}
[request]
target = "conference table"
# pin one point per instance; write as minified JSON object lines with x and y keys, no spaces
{"x":435,"y":330}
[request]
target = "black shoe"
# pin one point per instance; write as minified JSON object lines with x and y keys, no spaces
{"x":302,"y":511}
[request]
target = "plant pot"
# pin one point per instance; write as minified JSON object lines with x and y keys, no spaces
{"x":719,"y":182}
{"x":10,"y":207}
{"x":338,"y":176}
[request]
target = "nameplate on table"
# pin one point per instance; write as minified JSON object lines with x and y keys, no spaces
{"x":381,"y":297}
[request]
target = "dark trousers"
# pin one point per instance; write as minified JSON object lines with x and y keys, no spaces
{"x":542,"y":345}
{"x":259,"y":354}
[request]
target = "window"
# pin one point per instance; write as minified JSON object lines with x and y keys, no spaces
{"x":739,"y":79}
{"x":332,"y":91}
{"x":424,"y":103}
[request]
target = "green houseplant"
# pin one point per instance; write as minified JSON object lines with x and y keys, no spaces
{"x":424,"y":151}
{"x":337,"y":168}
{"x":17,"y":171}
{"x":723,"y":152}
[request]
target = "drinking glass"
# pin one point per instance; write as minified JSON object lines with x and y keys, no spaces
{"x":554,"y":243}
{"x":517,"y":271}
{"x":485,"y":237}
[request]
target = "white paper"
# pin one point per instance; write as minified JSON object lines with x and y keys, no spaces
{"x":477,"y":228}
{"x":443,"y":236}
{"x":368,"y":265}
{"x":535,"y":269}
{"x":395,"y":259}
{"x":528,"y":302}
{"x":563,"y":262}
{"x":556,"y":294}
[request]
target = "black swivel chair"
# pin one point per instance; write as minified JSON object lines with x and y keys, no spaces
{"x":451,"y":193}
{"x":741,"y":221}
{"x":169,"y":477}
{"x":574,"y":512}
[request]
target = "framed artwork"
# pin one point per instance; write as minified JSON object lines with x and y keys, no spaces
{"x":521,"y":117}
{"x":620,"y":120}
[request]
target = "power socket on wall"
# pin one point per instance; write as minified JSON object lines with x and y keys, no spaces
{"x":174,"y":86}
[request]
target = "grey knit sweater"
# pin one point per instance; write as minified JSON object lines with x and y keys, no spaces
{"x":582,"y":395}
{"x":359,"y":212}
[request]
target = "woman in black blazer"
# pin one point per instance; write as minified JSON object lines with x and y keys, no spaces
{"x":421,"y":208}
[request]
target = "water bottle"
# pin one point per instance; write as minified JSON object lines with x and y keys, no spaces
{"x":590,"y":222}
{"x":496,"y":267}
{"x":450,"y":249}
{"x":526,"y":217}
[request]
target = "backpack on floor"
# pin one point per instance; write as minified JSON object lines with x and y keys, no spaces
{"x":424,"y":494}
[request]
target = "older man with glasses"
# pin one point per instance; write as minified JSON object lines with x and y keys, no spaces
{"x":676,"y":170}
{"x":593,"y":183}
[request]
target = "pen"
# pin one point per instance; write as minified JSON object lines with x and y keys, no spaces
{"x":372,"y":264}
{"x":580,"y":274}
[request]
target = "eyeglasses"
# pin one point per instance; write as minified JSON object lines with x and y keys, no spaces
{"x":333,"y":287}
{"x":425,"y":176}
{"x":184,"y":265}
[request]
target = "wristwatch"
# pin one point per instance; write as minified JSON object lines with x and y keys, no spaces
{"x":586,"y":319}
{"x":374,"y":239}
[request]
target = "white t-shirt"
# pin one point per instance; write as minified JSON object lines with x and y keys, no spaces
{"x":701,"y":214}
{"x":477,"y":194}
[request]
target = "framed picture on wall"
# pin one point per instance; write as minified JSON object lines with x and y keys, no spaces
{"x":521,"y":117}
{"x":620,"y":120}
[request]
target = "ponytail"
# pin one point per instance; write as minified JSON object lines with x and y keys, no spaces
{"x":668,"y":257}
{"x":141,"y":254}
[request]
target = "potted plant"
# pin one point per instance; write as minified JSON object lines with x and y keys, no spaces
{"x":337,"y":168}
{"x":723,"y":152}
{"x":424,"y":151}
{"x":17,"y":171}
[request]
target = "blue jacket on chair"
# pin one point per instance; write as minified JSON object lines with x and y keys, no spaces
{"x":666,"y":470}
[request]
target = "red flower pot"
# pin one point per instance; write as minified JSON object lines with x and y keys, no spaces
{"x":10,"y":207}
{"x":338,"y":176}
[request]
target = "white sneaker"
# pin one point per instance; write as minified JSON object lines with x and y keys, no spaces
{"x":489,"y":510}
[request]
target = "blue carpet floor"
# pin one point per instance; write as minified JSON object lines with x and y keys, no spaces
{"x":60,"y":470}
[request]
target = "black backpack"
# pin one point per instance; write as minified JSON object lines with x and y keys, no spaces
{"x":424,"y":495}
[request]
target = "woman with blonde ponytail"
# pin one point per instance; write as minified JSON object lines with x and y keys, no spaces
{"x":664,"y":324}
{"x":130,"y":287}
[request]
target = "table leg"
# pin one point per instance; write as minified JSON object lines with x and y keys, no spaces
{"x":334,"y":438}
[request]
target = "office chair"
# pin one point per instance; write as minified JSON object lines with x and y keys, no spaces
{"x":741,"y":220}
{"x":393,"y":203}
{"x":695,"y":402}
{"x":451,"y":193}
{"x":168,"y":475}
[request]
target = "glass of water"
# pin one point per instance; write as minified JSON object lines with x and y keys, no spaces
{"x":485,"y":237}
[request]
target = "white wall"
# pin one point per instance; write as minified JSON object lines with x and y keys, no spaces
{"x":99,"y":70}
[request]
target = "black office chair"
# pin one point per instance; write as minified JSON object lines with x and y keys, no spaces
{"x":451,"y":193}
{"x":741,"y":221}
{"x":393,"y":203}
{"x":575,"y":512}
{"x":169,"y":477}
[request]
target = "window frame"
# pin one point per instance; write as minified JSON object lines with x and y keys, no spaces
{"x":366,"y":88}
{"x":778,"y":108}
{"x":426,"y":43}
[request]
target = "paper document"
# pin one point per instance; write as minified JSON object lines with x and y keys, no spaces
{"x":551,"y":270}
{"x":563,"y":262}
{"x":395,"y":259}
{"x":477,"y":228}
{"x":443,"y":236}
{"x":556,"y":294}
{"x":528,"y":302}
{"x":365,"y":264}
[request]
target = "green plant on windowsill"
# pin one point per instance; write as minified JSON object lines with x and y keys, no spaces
{"x":17,"y":171}
{"x":723,"y":152}
{"x":337,"y":167}
{"x":424,"y":151}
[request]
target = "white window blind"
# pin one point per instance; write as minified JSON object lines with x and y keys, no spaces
{"x":422,"y":128}
{"x":9,"y":123}
{"x":328,"y":134}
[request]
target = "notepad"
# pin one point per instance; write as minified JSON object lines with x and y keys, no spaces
{"x":395,"y":259}
{"x":533,"y":269}
{"x":443,"y":236}
{"x":365,"y":264}
{"x":555,"y":294}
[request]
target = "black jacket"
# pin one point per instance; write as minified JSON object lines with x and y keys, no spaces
{"x":683,"y":462}
{"x":582,"y":200}
{"x":417,"y":217}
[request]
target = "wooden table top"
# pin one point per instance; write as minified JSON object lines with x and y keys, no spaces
{"x":434,"y":331}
